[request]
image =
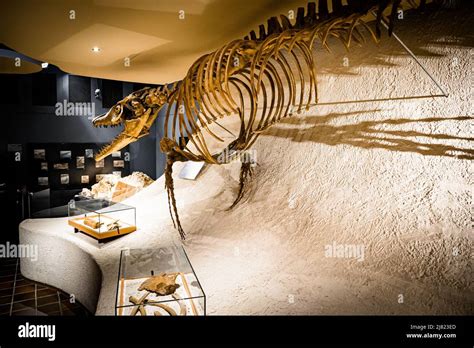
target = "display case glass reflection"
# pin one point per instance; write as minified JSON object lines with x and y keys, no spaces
{"x":158,"y":282}
{"x":101,"y":219}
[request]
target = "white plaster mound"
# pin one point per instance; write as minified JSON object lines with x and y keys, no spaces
{"x":67,"y":265}
{"x":393,"y":176}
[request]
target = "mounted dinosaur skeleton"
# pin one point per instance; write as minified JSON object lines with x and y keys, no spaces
{"x":249,"y":73}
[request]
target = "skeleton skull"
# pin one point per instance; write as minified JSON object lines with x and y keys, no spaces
{"x":136,"y":112}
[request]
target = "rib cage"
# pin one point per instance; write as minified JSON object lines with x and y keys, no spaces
{"x":264,"y":67}
{"x":252,"y":73}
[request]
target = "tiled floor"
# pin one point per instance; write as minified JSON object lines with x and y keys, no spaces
{"x":20,"y":296}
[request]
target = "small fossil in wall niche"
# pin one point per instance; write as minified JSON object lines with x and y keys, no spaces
{"x":163,"y":284}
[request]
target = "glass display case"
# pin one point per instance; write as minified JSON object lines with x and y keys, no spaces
{"x":101,"y":219}
{"x":158,"y":282}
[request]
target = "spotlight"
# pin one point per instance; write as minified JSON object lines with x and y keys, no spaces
{"x":44,"y":65}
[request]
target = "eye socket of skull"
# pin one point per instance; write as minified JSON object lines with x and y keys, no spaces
{"x":118,"y":109}
{"x":128,"y":113}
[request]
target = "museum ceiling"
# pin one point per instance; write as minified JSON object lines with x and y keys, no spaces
{"x":160,"y":45}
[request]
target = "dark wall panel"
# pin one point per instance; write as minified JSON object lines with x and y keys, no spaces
{"x":9,"y":89}
{"x":111,"y":93}
{"x":44,"y":89}
{"x":79,"y":89}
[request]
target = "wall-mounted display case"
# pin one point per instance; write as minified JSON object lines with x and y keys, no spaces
{"x":101,"y":219}
{"x":158,"y":282}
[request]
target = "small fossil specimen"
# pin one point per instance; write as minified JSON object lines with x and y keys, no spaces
{"x":168,"y":309}
{"x":162,"y":285}
{"x":92,"y":222}
{"x":143,"y":302}
{"x":140,"y":304}
{"x":113,"y":225}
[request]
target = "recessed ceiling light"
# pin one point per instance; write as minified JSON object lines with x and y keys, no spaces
{"x":95,"y":49}
{"x":44,"y":65}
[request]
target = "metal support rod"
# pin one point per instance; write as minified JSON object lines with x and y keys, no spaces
{"x":228,"y":131}
{"x":384,"y":23}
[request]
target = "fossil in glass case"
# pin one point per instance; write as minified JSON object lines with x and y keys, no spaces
{"x":161,"y":285}
{"x":101,"y":219}
{"x":164,"y":284}
{"x":175,"y":291}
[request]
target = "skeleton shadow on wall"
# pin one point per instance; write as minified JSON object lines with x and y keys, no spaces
{"x":389,"y":134}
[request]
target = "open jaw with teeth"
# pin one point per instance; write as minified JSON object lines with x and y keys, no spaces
{"x":135,"y":119}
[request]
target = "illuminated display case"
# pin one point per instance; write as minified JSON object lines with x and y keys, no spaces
{"x":101,"y":219}
{"x":158,"y":282}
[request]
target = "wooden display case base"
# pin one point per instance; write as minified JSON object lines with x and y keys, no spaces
{"x":79,"y":226}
